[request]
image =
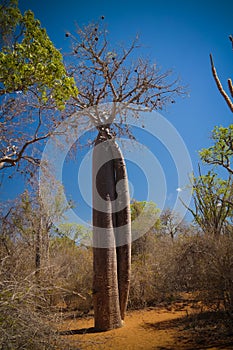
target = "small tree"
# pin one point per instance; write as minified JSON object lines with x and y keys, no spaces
{"x":212,"y":211}
{"x":171,"y":224}
{"x":104,"y":74}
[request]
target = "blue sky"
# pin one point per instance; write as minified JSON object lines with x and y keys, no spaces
{"x":175,"y":34}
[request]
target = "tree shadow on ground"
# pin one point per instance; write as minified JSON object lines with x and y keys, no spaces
{"x":199,"y":330}
{"x":81,"y":331}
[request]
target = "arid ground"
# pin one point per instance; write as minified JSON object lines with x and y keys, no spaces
{"x":178,"y":326}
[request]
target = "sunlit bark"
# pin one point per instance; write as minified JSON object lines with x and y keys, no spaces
{"x":105,"y":284}
{"x":123,"y":231}
{"x":111,"y":235}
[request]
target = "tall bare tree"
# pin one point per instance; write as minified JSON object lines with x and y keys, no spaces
{"x":106,"y":73}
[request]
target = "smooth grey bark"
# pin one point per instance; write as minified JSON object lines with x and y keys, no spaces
{"x":111,"y":227}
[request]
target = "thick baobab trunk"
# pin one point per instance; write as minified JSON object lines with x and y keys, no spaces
{"x":123,"y":230}
{"x":105,"y":284}
{"x":111,"y":235}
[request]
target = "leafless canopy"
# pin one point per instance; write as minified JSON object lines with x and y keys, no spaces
{"x":106,"y":73}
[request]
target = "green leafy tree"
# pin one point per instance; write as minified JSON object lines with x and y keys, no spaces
{"x":212,"y":210}
{"x":33,"y":85}
{"x":222,"y":151}
{"x":30,"y":58}
{"x":74,"y":231}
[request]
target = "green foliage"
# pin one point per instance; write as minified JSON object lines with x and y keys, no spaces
{"x":148,"y":211}
{"x":9,"y":18}
{"x":144,"y":214}
{"x":33,"y":61}
{"x":211,"y":195}
{"x":222,"y":150}
{"x":76,"y":232}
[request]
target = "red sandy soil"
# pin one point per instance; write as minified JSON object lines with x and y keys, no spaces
{"x":175,"y":327}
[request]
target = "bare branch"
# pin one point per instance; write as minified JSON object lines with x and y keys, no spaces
{"x":105,"y":75}
{"x":219,"y":85}
{"x":218,"y":162}
{"x":11,"y":161}
{"x":230,"y":86}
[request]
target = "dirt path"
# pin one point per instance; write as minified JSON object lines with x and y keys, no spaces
{"x":157,"y":329}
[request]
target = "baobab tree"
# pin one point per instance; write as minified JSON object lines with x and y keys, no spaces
{"x":104,"y":74}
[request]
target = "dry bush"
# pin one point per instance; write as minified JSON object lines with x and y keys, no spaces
{"x":71,"y":275}
{"x":146,"y":288}
{"x":142,"y":287}
{"x":27,"y":320}
{"x":217,"y":273}
{"x":198,"y":264}
{"x":22,"y":324}
{"x":179,"y":268}
{"x":202,"y":265}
